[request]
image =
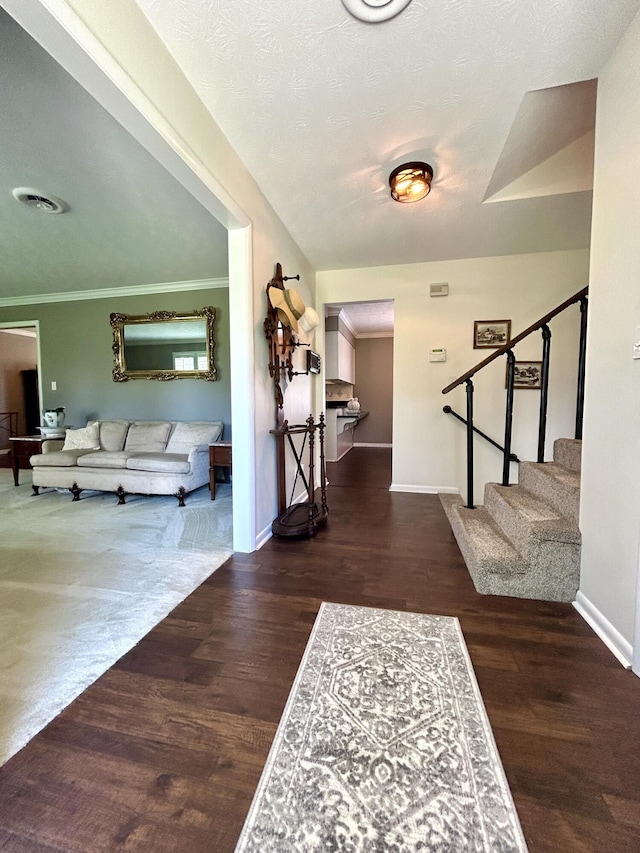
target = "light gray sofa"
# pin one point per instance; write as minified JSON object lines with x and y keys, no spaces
{"x":135,"y":457}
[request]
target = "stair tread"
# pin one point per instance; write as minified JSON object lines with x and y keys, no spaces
{"x":556,"y":472}
{"x":554,"y":484}
{"x":491,"y":549}
{"x":568,"y":453}
{"x":538,"y":516}
{"x":448,"y":501}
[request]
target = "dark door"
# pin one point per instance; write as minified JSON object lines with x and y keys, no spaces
{"x":31,"y":401}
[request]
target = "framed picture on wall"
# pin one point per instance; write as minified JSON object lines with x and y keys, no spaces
{"x":528,"y":374}
{"x":491,"y":334}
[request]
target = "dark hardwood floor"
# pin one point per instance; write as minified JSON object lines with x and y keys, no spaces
{"x":163,"y":753}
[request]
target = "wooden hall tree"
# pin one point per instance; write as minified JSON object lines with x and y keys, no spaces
{"x":294,"y":518}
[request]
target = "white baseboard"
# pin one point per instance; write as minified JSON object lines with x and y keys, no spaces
{"x":371,"y":444}
{"x":609,"y":635}
{"x":267,"y":532}
{"x":424,"y":490}
{"x":263,"y":537}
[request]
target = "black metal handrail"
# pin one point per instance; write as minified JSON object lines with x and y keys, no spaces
{"x":449,"y":411}
{"x":541,"y":325}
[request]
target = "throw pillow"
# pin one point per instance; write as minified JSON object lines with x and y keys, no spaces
{"x":82,"y":439}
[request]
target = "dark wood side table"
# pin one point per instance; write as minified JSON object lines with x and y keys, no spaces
{"x":24,"y":446}
{"x":219,"y":456}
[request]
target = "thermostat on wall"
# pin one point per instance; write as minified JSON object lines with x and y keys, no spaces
{"x":438,"y":354}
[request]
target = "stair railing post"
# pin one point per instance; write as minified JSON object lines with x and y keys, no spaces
{"x":582,"y":357}
{"x":469,"y":384}
{"x":508,"y":423}
{"x":544,"y":390}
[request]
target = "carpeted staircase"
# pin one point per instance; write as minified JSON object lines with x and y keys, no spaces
{"x":525,"y":542}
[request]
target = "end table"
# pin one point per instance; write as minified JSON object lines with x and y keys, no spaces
{"x":23,"y":447}
{"x":219,"y":456}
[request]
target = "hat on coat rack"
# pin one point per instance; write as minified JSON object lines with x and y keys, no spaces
{"x":307,"y":324}
{"x":288,"y":304}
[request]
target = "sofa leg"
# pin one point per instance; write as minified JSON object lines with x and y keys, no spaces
{"x":120,"y":492}
{"x":75,"y":491}
{"x":36,"y":490}
{"x":180,"y":495}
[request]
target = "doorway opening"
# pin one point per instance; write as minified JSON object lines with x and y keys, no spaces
{"x":358,"y":376}
{"x":73,"y":47}
{"x":19,"y":384}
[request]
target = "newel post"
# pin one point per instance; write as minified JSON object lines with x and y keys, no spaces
{"x":582,"y":357}
{"x":544,"y":390}
{"x":469,"y":384}
{"x":508,"y":420}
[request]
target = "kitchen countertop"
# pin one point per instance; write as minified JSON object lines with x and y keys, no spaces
{"x":358,"y":415}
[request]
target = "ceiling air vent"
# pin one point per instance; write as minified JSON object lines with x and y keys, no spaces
{"x":38,"y":200}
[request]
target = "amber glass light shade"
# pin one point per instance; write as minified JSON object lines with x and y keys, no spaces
{"x":411,"y":182}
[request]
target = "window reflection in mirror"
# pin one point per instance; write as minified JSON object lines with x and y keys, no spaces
{"x":163,"y":345}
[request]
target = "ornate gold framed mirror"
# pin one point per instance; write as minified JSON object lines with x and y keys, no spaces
{"x":164,"y":345}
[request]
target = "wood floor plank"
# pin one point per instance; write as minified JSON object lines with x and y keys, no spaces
{"x":163,"y":753}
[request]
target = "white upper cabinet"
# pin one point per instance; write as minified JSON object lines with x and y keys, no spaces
{"x":340,"y":358}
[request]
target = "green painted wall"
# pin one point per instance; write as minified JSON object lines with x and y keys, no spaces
{"x":75,"y":345}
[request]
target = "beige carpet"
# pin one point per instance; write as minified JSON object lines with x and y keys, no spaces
{"x":81,"y":583}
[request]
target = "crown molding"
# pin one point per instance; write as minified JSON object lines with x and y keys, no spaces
{"x":344,"y":319}
{"x":385,"y":334}
{"x":109,"y":292}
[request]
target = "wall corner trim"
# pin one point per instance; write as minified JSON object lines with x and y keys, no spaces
{"x":263,"y":537}
{"x":610,"y":636}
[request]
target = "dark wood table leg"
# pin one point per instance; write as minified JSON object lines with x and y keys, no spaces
{"x":15,"y":464}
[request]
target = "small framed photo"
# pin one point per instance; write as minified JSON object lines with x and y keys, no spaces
{"x":528,"y":374}
{"x":491,"y":334}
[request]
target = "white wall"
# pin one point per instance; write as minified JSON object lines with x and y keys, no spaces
{"x":610,"y":510}
{"x":429,"y":446}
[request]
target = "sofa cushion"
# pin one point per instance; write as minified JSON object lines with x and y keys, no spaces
{"x":105,"y":459}
{"x":164,"y":463}
{"x":148,"y":436}
{"x":188,"y":435}
{"x":112,"y":434}
{"x":59,"y":458}
{"x":82,"y":439}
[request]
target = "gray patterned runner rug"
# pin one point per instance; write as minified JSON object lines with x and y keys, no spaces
{"x":384,"y":745}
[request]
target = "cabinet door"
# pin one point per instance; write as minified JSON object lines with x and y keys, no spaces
{"x":346,"y":360}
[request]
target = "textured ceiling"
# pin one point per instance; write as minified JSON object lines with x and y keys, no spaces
{"x":366,"y":319}
{"x":321,"y":107}
{"x":129,"y":223}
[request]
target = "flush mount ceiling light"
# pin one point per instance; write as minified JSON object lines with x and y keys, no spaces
{"x":411,"y":181}
{"x":374,"y":11}
{"x":39,"y":201}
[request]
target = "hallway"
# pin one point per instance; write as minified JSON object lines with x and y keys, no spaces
{"x":164,"y":751}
